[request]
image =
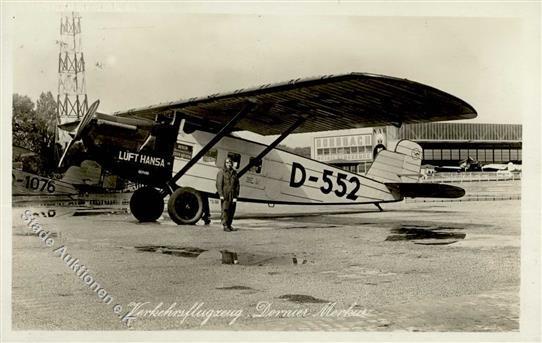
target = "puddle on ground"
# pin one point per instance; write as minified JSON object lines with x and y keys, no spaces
{"x":242,"y":288}
{"x":51,"y":234}
{"x":172,"y":250}
{"x":434,"y":235}
{"x":250,"y":259}
{"x":302,"y":298}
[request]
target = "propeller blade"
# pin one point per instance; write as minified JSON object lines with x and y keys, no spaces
{"x":79,"y":130}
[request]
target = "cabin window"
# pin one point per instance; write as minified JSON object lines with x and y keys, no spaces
{"x":236,"y":159}
{"x":210,"y":156}
{"x":257,"y":167}
{"x":183,"y":151}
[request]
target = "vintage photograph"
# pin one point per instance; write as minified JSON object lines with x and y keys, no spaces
{"x":247,"y":168}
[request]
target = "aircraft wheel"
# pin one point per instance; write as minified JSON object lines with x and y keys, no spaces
{"x":185,"y":206}
{"x":147,"y":204}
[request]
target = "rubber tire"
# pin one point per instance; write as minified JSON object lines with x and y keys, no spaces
{"x":185,"y":206}
{"x":147,"y":204}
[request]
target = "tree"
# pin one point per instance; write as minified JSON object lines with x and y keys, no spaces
{"x":46,"y":111}
{"x":23,"y":122}
{"x":34,"y":129}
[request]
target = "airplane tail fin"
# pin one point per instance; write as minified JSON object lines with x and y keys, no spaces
{"x":401,"y":165}
{"x":399,"y":170}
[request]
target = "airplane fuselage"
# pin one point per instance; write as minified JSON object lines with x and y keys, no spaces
{"x":281,"y":177}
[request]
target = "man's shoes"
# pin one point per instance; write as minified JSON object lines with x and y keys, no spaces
{"x":206,"y":221}
{"x":227,"y":229}
{"x":233,"y":229}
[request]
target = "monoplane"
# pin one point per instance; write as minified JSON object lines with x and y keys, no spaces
{"x":175,"y":149}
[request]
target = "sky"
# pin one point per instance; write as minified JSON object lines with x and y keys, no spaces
{"x":136,"y":59}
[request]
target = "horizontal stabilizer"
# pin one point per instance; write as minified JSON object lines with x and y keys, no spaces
{"x":425,"y":190}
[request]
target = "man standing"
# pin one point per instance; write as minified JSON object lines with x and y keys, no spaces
{"x":227,"y":185}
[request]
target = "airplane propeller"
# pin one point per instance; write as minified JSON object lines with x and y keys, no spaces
{"x":80,"y":127}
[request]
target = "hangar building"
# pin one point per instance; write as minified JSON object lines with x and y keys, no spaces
{"x":444,"y":144}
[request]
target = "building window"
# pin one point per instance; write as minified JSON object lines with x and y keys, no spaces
{"x":446,"y":154}
{"x":326,"y":151}
{"x":463,"y":154}
{"x":347,"y":150}
{"x":505,"y":155}
{"x":318,"y":142}
{"x":497,"y":155}
{"x":513,"y":155}
{"x":428,"y":154}
{"x":481,"y":155}
{"x":325,"y":142}
{"x":354,"y":149}
{"x":338,"y":141}
{"x":340,"y":151}
{"x":455,"y":154}
{"x":489,"y":155}
{"x":319,"y":151}
{"x":333,"y":151}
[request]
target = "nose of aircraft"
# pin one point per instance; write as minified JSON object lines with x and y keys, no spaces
{"x":79,"y":130}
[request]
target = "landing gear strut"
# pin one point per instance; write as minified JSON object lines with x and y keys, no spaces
{"x":147,"y":204}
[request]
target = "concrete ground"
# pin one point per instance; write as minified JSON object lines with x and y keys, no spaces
{"x":415,"y":267}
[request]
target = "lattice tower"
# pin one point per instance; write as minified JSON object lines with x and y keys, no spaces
{"x":72,"y":93}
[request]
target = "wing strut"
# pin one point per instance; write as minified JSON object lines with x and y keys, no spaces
{"x":249,"y":105}
{"x":271,"y":146}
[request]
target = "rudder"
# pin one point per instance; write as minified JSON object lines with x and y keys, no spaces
{"x":401,"y":165}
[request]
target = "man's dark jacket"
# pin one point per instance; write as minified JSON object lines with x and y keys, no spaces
{"x":227,"y":184}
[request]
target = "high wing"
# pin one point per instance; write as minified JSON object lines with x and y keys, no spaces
{"x":327,"y":103}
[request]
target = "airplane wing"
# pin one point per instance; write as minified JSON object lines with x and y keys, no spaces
{"x":328,"y":103}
